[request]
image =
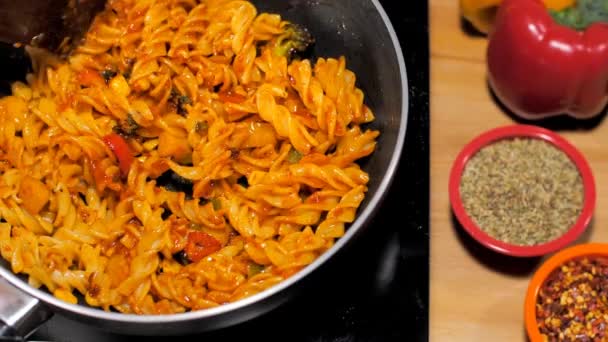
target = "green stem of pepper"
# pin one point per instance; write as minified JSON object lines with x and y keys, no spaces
{"x":585,"y":13}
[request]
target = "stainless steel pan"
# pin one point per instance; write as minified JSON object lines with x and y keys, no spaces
{"x":358,"y":29}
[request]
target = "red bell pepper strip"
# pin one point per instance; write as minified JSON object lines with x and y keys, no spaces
{"x":121,"y":150}
{"x":200,"y":245}
{"x":539,"y":68}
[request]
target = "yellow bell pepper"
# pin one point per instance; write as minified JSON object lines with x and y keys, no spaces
{"x":480,"y":13}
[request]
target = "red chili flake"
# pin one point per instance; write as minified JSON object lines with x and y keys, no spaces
{"x":572,"y":304}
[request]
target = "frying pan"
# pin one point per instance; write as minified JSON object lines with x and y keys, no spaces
{"x":358,"y":29}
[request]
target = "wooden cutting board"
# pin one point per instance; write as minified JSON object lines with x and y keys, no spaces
{"x":475,"y":294}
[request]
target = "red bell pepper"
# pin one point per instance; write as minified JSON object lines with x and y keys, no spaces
{"x":539,"y":68}
{"x":200,"y":245}
{"x":121,"y":150}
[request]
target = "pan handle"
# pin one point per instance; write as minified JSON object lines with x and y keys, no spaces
{"x":20,"y":314}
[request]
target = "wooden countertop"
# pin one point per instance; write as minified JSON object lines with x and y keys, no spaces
{"x":475,"y":294}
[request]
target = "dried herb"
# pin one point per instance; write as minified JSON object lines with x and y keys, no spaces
{"x":522,"y":191}
{"x":572,"y":304}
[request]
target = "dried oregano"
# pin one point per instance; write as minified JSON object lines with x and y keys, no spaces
{"x":522,"y":191}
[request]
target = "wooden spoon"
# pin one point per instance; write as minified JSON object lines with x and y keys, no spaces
{"x":54,"y":25}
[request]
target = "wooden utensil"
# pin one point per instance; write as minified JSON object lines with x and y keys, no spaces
{"x":55,"y":25}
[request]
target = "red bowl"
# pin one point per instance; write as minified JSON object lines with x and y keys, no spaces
{"x":522,"y":131}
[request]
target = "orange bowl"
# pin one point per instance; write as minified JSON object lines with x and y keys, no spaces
{"x":589,"y":250}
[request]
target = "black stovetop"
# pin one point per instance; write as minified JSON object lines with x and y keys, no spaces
{"x":380,"y":292}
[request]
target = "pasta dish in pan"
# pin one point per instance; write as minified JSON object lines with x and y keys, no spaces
{"x":184,"y":156}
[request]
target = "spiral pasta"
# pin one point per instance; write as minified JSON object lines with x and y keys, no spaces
{"x":178,"y":160}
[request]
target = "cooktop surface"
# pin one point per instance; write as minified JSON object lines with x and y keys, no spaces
{"x":379,"y":289}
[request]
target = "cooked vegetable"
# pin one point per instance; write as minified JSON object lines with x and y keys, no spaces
{"x":294,"y":156}
{"x":260,"y":134}
{"x":253,"y":269}
{"x":127,"y":127}
{"x":120,"y":86}
{"x":296,"y":39}
{"x":201,"y":127}
{"x":217,"y":205}
{"x":180,"y":102}
{"x":170,"y":145}
{"x":200,"y":245}
{"x":481,"y":13}
{"x":121,"y":150}
{"x":539,"y":68}
{"x":34,"y":194}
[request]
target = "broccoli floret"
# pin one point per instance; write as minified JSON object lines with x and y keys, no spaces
{"x":295,"y":40}
{"x":127,"y":127}
{"x":179,"y":101}
{"x":201,"y":127}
